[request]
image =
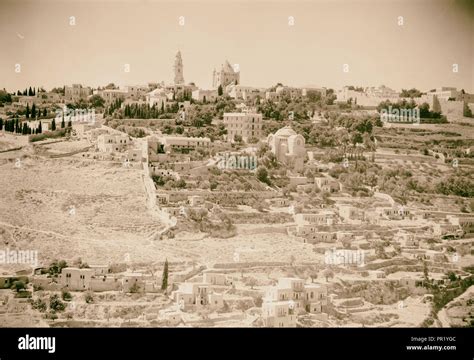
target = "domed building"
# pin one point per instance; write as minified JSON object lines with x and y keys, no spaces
{"x":288,"y":147}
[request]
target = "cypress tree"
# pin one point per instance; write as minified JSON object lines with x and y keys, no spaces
{"x":40,"y":128}
{"x":25,"y":130}
{"x":33,"y":111}
{"x":53,"y":125}
{"x":27,"y":111}
{"x":164,"y":281}
{"x":30,"y":92}
{"x":1,"y":124}
{"x":63,"y":124}
{"x":45,"y":112}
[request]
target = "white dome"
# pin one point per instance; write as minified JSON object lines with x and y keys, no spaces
{"x":285,"y":132}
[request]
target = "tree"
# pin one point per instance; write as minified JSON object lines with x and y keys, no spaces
{"x":262,"y":175}
{"x":328,"y":274}
{"x":238,"y":138}
{"x":97,"y":101}
{"x":30,"y":92}
{"x":19,"y":285}
{"x":39,"y":130}
{"x":56,"y":267}
{"x":63,"y":124}
{"x":27,"y":111}
{"x":425,"y":273}
{"x":412,"y":93}
{"x":53,"y":125}
{"x":436,"y":105}
{"x":219,"y":90}
{"x":251,"y":281}
{"x":452,"y":276}
{"x":164,"y":281}
{"x":33,"y":111}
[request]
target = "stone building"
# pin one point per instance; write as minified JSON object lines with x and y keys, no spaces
{"x":288,"y":147}
{"x":245,"y":124}
{"x":225,"y":76}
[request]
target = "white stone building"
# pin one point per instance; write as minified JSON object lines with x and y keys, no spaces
{"x":197,"y":295}
{"x":157,"y":97}
{"x":290,"y":297}
{"x":204,"y":95}
{"x":288,"y":147}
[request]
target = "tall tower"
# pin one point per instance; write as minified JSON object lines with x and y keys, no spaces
{"x":178,"y":70}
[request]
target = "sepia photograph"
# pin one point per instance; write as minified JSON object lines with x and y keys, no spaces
{"x":237,"y":164}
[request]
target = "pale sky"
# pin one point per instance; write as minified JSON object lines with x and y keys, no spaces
{"x":254,"y":34}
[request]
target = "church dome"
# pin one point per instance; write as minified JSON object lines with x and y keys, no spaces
{"x":286,"y":131}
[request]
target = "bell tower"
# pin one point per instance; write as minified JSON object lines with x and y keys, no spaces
{"x":178,"y":70}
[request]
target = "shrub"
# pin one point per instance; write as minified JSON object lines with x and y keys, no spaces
{"x":55,"y":303}
{"x":39,"y":305}
{"x":66,"y":295}
{"x":88,"y":297}
{"x":134,"y":288}
{"x":48,"y":135}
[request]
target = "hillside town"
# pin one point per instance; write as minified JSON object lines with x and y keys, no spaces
{"x":237,"y":206}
